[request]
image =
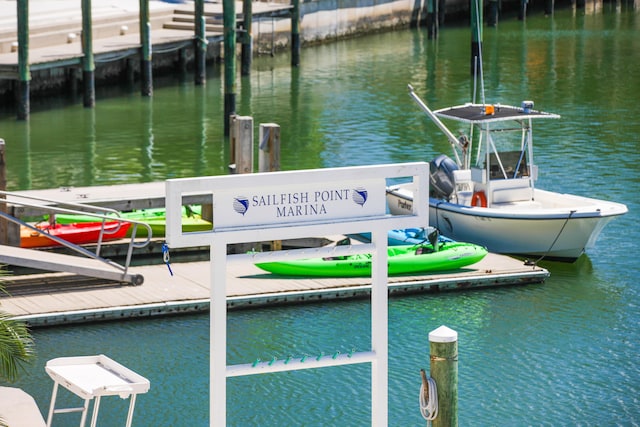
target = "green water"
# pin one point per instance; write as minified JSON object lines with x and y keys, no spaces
{"x":561,"y":353}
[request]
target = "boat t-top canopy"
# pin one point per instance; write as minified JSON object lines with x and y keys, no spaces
{"x":487,"y":113}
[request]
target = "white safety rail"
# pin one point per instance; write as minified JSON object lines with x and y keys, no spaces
{"x":289,"y":205}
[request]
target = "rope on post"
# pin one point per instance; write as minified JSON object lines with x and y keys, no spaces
{"x":428,"y":397}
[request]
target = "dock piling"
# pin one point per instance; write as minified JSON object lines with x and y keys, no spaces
{"x":432,"y":19}
{"x":443,"y":348}
{"x":24,"y":73}
{"x":201,"y":43}
{"x":241,"y":148}
{"x":269,"y":157}
{"x":269,"y":148}
{"x":146,"y":65}
{"x":88,"y":64}
{"x":247,"y":38}
{"x":229,"y":25}
{"x":295,"y":33}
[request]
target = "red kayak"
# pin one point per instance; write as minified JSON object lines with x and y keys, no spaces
{"x":79,"y":233}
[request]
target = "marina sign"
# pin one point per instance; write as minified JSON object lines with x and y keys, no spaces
{"x":276,"y":201}
{"x":326,"y":201}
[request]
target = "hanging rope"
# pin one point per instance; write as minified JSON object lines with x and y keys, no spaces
{"x":535,"y":263}
{"x":428,"y":398}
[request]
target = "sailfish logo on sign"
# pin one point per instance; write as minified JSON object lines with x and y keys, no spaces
{"x":360,"y":196}
{"x":241,"y":204}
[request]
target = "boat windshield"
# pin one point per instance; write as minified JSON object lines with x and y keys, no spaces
{"x":503,"y":150}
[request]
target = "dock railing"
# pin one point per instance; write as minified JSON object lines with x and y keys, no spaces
{"x":102,"y":214}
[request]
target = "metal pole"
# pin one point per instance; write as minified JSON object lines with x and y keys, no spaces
{"x":218,"y":336}
{"x":443,"y":347}
{"x":379,"y":329}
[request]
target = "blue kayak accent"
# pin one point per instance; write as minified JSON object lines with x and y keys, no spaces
{"x":408,"y":236}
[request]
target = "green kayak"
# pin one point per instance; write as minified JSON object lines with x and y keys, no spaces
{"x":406,"y":259}
{"x":155,"y":218}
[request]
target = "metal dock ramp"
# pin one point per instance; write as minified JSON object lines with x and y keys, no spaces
{"x":50,"y":261}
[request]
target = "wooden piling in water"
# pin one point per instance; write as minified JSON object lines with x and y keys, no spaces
{"x":88,"y":64}
{"x":229,"y":24}
{"x":269,"y":148}
{"x":201,"y":43}
{"x":146,"y":66}
{"x":432,"y":19}
{"x":269,"y":157}
{"x":443,"y":348}
{"x":241,"y":144}
{"x":522,"y":10}
{"x":295,"y":33}
{"x":493,"y":9}
{"x":24,"y":73}
{"x":247,"y":38}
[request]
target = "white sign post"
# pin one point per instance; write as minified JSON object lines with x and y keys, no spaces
{"x":295,"y":204}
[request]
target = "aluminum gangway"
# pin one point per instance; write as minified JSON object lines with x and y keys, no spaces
{"x":91,"y":264}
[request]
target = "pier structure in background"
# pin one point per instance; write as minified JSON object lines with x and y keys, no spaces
{"x":106,"y":39}
{"x":294,"y":204}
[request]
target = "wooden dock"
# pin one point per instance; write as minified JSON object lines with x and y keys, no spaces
{"x":173,"y":28}
{"x":57,"y":299}
{"x":63,"y":298}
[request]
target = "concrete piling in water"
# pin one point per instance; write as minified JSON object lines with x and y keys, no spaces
{"x":443,"y":348}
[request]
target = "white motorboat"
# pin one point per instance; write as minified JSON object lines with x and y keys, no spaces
{"x":494,"y":202}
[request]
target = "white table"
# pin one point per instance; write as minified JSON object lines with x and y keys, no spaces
{"x":90,"y":377}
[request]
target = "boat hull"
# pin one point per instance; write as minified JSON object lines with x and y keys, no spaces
{"x":155,"y":218}
{"x":560,"y":233}
{"x":402,"y":260}
{"x":81,"y":233}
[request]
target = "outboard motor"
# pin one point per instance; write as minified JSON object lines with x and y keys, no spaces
{"x":441,"y":177}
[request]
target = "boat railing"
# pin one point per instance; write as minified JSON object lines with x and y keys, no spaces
{"x":102,"y":214}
